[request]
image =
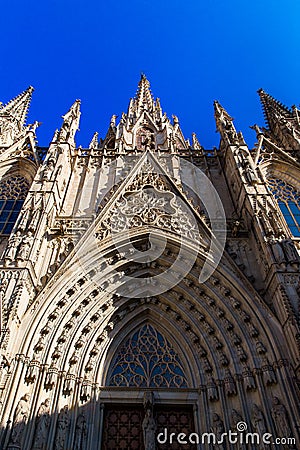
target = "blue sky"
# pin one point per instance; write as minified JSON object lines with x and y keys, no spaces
{"x":192,"y":52}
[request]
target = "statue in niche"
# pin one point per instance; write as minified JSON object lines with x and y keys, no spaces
{"x":36,"y":216}
{"x":247,"y":165}
{"x":62,"y":427}
{"x":19,"y":420}
{"x":80,"y":433}
{"x":258,"y":423}
{"x":25,"y":218}
{"x":236,"y":418}
{"x":291,"y":254}
{"x":25,"y":247}
{"x":48,"y":169}
{"x":280,"y":417}
{"x":149,"y":424}
{"x":218,"y":429}
{"x":277,"y":250}
{"x":229,"y":129}
{"x":149,"y":430}
{"x":42,"y":426}
{"x":14,"y":243}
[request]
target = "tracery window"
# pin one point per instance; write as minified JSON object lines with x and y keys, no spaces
{"x":13,"y":192}
{"x":147,"y":359}
{"x":288,"y":199}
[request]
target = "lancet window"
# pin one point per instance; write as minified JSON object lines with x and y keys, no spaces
{"x":288,"y":199}
{"x":13,"y":191}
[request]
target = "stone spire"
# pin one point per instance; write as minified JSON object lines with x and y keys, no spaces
{"x":144,"y":98}
{"x":13,"y":117}
{"x":144,"y":127}
{"x":70,"y":124}
{"x":272,"y":108}
{"x":283,"y":123}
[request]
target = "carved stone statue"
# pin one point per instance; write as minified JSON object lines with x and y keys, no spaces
{"x":218,"y":429}
{"x":247,"y":164}
{"x":277,"y":250}
{"x":42,"y":426}
{"x":236,"y":418}
{"x":175,"y":119}
{"x":280,"y":417}
{"x":290,"y":251}
{"x":62,"y":427}
{"x":80,"y":433}
{"x":149,"y":430}
{"x":19,"y":420}
{"x":113,"y":120}
{"x":25,"y":247}
{"x":25,"y":218}
{"x":36,"y":216}
{"x":258,"y":423}
{"x":48,"y":169}
{"x":14,"y":242}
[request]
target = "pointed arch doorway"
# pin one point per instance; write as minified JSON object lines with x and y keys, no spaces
{"x":148,"y":392}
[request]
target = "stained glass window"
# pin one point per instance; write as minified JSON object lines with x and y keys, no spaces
{"x":13,"y":192}
{"x":288,"y":199}
{"x":147,"y":359}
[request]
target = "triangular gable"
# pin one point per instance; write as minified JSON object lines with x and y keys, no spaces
{"x":149,"y":197}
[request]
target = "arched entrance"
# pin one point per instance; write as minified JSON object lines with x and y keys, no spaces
{"x":149,"y":392}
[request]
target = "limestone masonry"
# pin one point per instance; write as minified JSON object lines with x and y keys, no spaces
{"x":107,"y":335}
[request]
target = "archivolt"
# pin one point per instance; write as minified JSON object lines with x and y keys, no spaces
{"x":79,"y":323}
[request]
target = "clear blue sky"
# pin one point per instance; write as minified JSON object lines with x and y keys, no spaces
{"x":192,"y":52}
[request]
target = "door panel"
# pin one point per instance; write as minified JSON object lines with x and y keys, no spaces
{"x":123,"y":426}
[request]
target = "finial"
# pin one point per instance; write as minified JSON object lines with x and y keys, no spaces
{"x":195,"y":143}
{"x":94,"y":141}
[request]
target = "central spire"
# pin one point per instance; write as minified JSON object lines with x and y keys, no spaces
{"x":143,"y":100}
{"x":144,"y":127}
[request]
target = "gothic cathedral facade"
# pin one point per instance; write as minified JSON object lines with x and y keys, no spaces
{"x":149,"y":285}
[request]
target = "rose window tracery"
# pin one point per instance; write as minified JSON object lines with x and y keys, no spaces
{"x":147,"y":359}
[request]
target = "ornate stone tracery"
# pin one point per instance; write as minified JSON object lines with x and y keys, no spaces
{"x":147,"y":360}
{"x":14,"y":188}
